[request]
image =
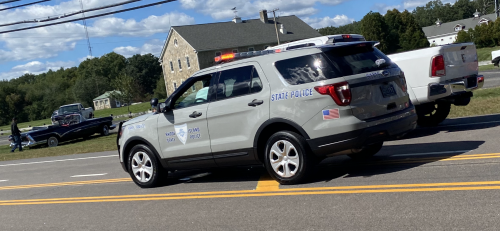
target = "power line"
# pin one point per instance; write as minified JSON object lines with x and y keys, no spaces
{"x":4,"y":2}
{"x":52,"y":18}
{"x":27,"y":4}
{"x":89,"y":17}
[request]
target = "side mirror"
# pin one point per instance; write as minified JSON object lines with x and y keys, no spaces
{"x":154,"y":102}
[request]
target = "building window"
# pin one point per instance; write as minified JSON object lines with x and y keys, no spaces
{"x":180,"y":65}
{"x":171,"y":66}
{"x":442,"y":39}
{"x":218,"y":53}
{"x":175,"y":86}
{"x":251,"y":49}
{"x":175,"y":42}
{"x":187,"y":61}
{"x":106,"y":102}
{"x":235,"y":51}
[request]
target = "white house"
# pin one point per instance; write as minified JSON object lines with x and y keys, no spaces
{"x":446,"y":33}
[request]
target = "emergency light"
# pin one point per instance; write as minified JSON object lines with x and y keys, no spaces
{"x":234,"y":56}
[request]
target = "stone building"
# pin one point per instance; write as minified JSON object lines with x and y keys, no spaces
{"x":194,"y":47}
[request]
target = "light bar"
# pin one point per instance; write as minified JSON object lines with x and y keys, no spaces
{"x":233,"y":56}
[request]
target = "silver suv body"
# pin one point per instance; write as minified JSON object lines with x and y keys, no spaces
{"x":285,"y":110}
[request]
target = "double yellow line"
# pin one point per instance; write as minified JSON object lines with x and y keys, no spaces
{"x":430,"y":187}
{"x":66,"y":183}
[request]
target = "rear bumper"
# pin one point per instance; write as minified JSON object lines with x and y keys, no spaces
{"x":377,"y":131}
{"x":450,"y":88}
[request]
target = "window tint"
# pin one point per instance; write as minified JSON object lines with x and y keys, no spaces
{"x":353,"y":60}
{"x":196,"y":93}
{"x":235,"y":82}
{"x":306,"y":69}
{"x":256,"y":85}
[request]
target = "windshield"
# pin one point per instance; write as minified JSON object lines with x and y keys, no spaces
{"x":68,"y":109}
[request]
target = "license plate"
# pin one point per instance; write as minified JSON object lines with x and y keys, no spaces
{"x":387,"y":90}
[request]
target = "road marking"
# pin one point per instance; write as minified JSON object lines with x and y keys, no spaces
{"x":98,"y":174}
{"x":66,"y":183}
{"x":255,"y":193}
{"x":266,"y":183}
{"x":432,"y":153}
{"x":52,"y":161}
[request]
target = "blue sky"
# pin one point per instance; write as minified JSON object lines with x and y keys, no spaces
{"x":143,"y":31}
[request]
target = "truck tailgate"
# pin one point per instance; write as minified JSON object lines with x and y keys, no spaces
{"x":460,"y":60}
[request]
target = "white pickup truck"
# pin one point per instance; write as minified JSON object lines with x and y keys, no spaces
{"x":436,"y":76}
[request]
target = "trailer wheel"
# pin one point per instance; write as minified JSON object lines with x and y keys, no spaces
{"x":432,"y":114}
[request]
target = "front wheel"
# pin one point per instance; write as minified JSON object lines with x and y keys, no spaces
{"x":432,"y":114}
{"x":286,"y":159}
{"x":366,"y":152}
{"x":105,"y":130}
{"x":144,"y":168}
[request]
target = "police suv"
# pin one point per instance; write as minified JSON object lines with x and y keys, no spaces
{"x":284,"y":109}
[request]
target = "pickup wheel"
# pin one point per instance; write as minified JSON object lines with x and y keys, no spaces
{"x":432,"y":114}
{"x":105,"y":130}
{"x":52,"y":141}
{"x":366,"y":152}
{"x":287,"y":159}
{"x":145,"y":170}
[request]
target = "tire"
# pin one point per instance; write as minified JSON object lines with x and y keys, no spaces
{"x":434,"y":116}
{"x":105,"y":130}
{"x":52,"y":142}
{"x":144,"y":169}
{"x":290,"y":166}
{"x":366,"y":152}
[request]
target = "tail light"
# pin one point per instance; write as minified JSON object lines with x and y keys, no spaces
{"x":340,"y":92}
{"x":404,"y":86}
{"x":480,"y":79}
{"x":438,"y":68}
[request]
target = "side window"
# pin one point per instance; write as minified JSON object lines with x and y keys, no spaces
{"x":196,"y":93}
{"x":235,"y":82}
{"x":256,"y":84}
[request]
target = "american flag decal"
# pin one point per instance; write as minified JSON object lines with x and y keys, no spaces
{"x":331,"y":114}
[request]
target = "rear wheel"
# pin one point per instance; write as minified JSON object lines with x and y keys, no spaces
{"x":53,"y":141}
{"x":145,"y":170}
{"x":366,"y":152}
{"x":432,"y":114}
{"x":287,"y":160}
{"x":105,"y":130}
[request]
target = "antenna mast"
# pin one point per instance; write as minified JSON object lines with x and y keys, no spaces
{"x":86,"y":31}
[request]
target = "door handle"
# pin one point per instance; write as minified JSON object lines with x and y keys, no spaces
{"x":255,"y":103}
{"x":195,"y":114}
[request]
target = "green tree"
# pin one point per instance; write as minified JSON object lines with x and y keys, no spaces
{"x":353,"y":28}
{"x":145,"y":70}
{"x":412,"y":37}
{"x":485,"y":6}
{"x":161,"y":90}
{"x":374,"y":28}
{"x":463,"y":37}
{"x":126,"y":86}
{"x":395,"y":26}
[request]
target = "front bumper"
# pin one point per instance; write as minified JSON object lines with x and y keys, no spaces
{"x":26,"y":144}
{"x":378,"y":130}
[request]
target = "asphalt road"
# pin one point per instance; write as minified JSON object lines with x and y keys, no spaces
{"x":435,"y":179}
{"x":492,"y":78}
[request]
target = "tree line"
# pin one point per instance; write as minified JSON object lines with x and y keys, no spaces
{"x":33,"y":97}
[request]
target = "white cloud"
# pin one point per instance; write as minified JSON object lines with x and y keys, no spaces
{"x":336,"y":21}
{"x":35,"y":67}
{"x":412,"y":4}
{"x":153,"y":46}
{"x":221,"y":9}
{"x":383,"y":8}
{"x":48,"y":42}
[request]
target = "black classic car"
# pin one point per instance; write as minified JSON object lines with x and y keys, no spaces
{"x":66,"y":127}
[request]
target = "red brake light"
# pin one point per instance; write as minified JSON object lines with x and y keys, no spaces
{"x":277,"y":51}
{"x":402,"y":77}
{"x":438,"y":68}
{"x":480,"y":79}
{"x":346,"y":36}
{"x":340,"y":92}
{"x":217,"y":59}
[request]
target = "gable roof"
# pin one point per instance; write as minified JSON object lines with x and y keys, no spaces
{"x":449,"y":27}
{"x":215,"y":36}
{"x":106,"y":95}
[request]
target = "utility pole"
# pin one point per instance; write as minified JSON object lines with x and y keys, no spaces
{"x":276,"y":25}
{"x":496,"y":8}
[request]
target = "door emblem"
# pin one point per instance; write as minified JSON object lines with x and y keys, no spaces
{"x":182,"y":132}
{"x":385,"y":73}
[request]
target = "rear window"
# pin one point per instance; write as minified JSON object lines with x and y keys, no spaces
{"x":333,"y":63}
